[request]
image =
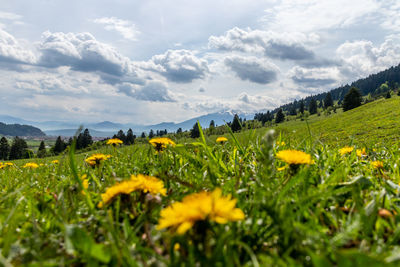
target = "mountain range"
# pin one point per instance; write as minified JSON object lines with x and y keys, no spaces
{"x":108,"y":128}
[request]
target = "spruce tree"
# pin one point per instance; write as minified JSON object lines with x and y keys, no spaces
{"x":328,"y":102}
{"x":130,"y":138}
{"x":18,"y":148}
{"x":312,"y":108}
{"x":179,"y":130}
{"x":352,"y":99}
{"x":280,"y":117}
{"x":293,"y":111}
{"x":195,"y":131}
{"x":4,"y":148}
{"x":301,"y":108}
{"x":143,"y":135}
{"x":235,"y":125}
{"x":86,"y":139}
{"x":151,"y":133}
{"x":59,"y":146}
{"x":41,"y":153}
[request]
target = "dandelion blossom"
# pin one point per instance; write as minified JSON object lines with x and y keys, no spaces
{"x":55,"y":161}
{"x":160,"y":143}
{"x":114,"y":142}
{"x":182,"y":216}
{"x":361,"y":152}
{"x":146,"y":184}
{"x":96,"y":159}
{"x":221,"y":139}
{"x":294,"y":157}
{"x":377,"y":164}
{"x":346,"y":150}
{"x":31,"y":165}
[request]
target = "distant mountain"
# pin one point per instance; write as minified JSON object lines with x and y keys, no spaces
{"x":19,"y":130}
{"x":108,"y":129}
{"x":71,"y":132}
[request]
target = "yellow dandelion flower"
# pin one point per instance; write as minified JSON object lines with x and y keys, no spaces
{"x":346,"y":150}
{"x":6,"y":164}
{"x":160,"y":143}
{"x":280,"y":143}
{"x":55,"y":161}
{"x":361,"y":152}
{"x":9,"y":164}
{"x":294,"y":157}
{"x":221,"y":139}
{"x":31,"y":165}
{"x":147,"y":184}
{"x":282,"y":168}
{"x":377,"y":164}
{"x":114,"y":142}
{"x":181,"y":216}
{"x":96,"y":159}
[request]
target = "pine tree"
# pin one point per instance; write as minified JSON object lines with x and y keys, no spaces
{"x":151,"y":133}
{"x":18,"y":148}
{"x":130,"y":138}
{"x":352,"y":99}
{"x":79,"y":141}
{"x":293,"y":111}
{"x":195,"y":132}
{"x":179,"y":130}
{"x":212,"y":124}
{"x":4,"y":148}
{"x":236,"y":126}
{"x":328,"y":102}
{"x":87,"y":139}
{"x":59,"y":146}
{"x":312,"y":108}
{"x":280,"y":117}
{"x":143,"y":135}
{"x":301,"y":108}
{"x":41,"y":153}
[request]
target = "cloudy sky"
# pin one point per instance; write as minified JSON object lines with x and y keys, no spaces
{"x":157,"y":60}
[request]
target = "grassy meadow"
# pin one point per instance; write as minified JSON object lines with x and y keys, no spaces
{"x":320,"y":208}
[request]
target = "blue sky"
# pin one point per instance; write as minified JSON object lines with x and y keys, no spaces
{"x":153,"y":61}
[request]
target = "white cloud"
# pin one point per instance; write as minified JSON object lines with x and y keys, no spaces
{"x":361,"y":58}
{"x":315,"y":77}
{"x":179,"y":66}
{"x":124,"y":27}
{"x":11,"y":50}
{"x":9,"y":16}
{"x":293,"y":46}
{"x":152,"y":91}
{"x":253,"y":69}
{"x":313,"y":15}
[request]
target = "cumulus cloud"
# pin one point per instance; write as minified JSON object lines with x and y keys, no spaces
{"x":243,"y":102}
{"x":252,"y":69}
{"x":82,"y":52}
{"x":361,"y":58}
{"x":314,"y":77}
{"x":180,"y":66}
{"x":283,"y":46}
{"x":11,"y":50}
{"x":152,"y":91}
{"x":124,"y":27}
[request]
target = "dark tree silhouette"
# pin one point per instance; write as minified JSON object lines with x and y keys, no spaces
{"x":312,"y":108}
{"x":352,"y":99}
{"x":18,"y":149}
{"x":280,"y":117}
{"x":41,"y":153}
{"x":130,"y":137}
{"x":4,"y":148}
{"x":195,"y":131}
{"x":236,"y":125}
{"x":328,"y":101}
{"x":301,"y":108}
{"x":59,"y":146}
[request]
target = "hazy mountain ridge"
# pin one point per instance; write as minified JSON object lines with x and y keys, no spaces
{"x":19,"y":130}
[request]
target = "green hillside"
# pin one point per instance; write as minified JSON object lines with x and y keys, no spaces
{"x":373,"y":123}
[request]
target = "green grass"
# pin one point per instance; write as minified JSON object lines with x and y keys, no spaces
{"x":326,"y":214}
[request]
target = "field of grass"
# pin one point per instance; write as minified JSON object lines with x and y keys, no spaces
{"x":335,"y":210}
{"x":377,"y":122}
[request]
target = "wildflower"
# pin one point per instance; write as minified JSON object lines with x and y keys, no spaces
{"x":361,"y":152}
{"x":294,"y":157}
{"x":114,"y":142}
{"x":160,"y":143}
{"x":282,"y":168}
{"x":6,"y":164}
{"x":31,"y":165}
{"x":221,"y":139}
{"x":280,"y":143}
{"x":55,"y":161}
{"x":146,"y":184}
{"x":85,"y":183}
{"x":199,"y":207}
{"x":346,"y":150}
{"x":377,"y":164}
{"x":96,"y":159}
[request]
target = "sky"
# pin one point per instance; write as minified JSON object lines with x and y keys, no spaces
{"x":147,"y":62}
